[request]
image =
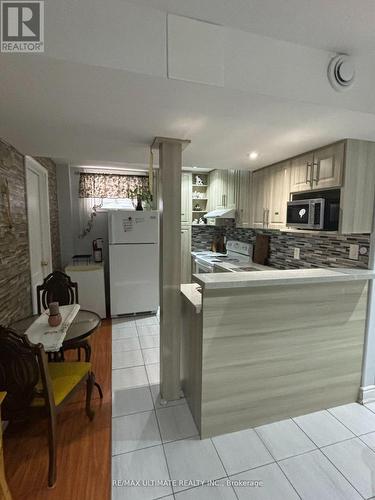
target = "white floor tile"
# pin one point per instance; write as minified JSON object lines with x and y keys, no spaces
{"x":357,"y":463}
{"x":241,"y":451}
{"x":138,"y":466}
{"x":191,"y":459}
{"x":322,"y":428}
{"x":369,"y":439}
{"x":155,"y":391}
{"x":126,"y":359}
{"x":148,"y":330}
{"x":134,"y":432}
{"x":153,"y":373}
{"x":176,"y":422}
{"x":123,"y":321}
{"x":130,"y":344}
{"x":370,"y":406}
{"x":134,"y":400}
{"x":314,"y":477}
{"x":147,"y":321}
{"x":124,"y":332}
{"x":149,"y":341}
{"x":356,"y":417}
{"x":151,"y":356}
{"x":263,"y":483}
{"x":223,"y":491}
{"x":125,"y":378}
{"x":284,"y":439}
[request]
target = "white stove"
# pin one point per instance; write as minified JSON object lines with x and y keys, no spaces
{"x":238,"y":254}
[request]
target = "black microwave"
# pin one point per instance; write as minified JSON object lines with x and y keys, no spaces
{"x":314,"y":213}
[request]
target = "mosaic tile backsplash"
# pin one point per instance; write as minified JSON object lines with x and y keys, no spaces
{"x":316,"y":250}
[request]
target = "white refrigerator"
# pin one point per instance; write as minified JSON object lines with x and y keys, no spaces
{"x":133,"y":261}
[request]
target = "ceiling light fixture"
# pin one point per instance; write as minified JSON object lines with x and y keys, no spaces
{"x":253,"y":155}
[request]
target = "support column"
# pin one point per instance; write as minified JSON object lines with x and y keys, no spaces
{"x":169,"y":205}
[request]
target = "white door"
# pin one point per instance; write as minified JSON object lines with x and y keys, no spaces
{"x":39,"y":224}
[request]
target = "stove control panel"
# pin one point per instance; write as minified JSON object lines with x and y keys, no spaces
{"x":240,"y":247}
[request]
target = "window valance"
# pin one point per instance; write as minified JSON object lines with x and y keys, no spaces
{"x":111,"y":185}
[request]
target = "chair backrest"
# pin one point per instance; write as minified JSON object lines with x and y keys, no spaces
{"x":19,"y":372}
{"x":56,"y":287}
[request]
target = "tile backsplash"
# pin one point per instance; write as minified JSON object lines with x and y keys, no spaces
{"x":316,"y":250}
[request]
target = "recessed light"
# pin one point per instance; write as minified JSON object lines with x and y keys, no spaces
{"x":253,"y":155}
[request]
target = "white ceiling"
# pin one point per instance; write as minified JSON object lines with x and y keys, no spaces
{"x":335,"y":25}
{"x":85,"y":105}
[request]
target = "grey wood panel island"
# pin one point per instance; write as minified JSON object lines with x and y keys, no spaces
{"x":258,"y":347}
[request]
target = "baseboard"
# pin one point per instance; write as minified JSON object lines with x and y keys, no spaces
{"x":367,"y":394}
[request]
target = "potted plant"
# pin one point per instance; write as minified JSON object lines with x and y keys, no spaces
{"x":143,"y":196}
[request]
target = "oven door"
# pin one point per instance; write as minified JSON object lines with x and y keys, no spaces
{"x":203,"y":267}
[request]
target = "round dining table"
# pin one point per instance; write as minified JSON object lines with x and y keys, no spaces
{"x":82,"y":326}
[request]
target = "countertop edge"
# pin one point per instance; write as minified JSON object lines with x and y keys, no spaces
{"x":191,"y":294}
{"x":259,"y":278}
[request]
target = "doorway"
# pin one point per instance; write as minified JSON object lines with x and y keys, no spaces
{"x":38,"y":224}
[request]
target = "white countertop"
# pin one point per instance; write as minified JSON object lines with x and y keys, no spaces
{"x":190,"y":291}
{"x":280,"y":277}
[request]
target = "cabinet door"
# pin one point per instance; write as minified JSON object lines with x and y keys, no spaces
{"x":243,"y":198}
{"x":186,"y":198}
{"x":217,"y":193}
{"x":280,"y":185}
{"x":301,"y":173}
{"x":230,"y":191}
{"x":328,"y":167}
{"x":258,"y":199}
{"x":185,"y":254}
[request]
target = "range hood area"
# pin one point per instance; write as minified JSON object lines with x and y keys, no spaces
{"x":222,"y":213}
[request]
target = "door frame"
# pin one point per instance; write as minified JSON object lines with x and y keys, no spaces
{"x":31,"y":165}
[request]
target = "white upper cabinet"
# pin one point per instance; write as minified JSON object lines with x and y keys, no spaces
{"x":259,"y":198}
{"x":279,"y":195}
{"x":221,"y":192}
{"x":243,"y":179}
{"x":186,"y":200}
{"x":328,"y":167}
{"x":320,"y":169}
{"x":301,"y":173}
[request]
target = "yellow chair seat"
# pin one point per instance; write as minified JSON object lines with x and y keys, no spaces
{"x":64,"y":378}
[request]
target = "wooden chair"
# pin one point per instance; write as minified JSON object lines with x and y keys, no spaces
{"x":34,"y":385}
{"x":58,"y":287}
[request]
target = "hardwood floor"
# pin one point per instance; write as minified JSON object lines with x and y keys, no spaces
{"x":84,"y":447}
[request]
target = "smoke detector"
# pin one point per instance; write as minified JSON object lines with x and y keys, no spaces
{"x":341,"y":72}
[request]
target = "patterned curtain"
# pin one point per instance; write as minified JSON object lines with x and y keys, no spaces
{"x":111,"y":186}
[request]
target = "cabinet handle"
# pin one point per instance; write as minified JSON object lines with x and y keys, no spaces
{"x":317,"y":171}
{"x":308,"y":176}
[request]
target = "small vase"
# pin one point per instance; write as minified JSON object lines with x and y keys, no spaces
{"x":139,"y":204}
{"x":54,"y":320}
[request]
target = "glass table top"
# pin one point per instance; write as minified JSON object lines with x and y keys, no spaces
{"x":82,"y":326}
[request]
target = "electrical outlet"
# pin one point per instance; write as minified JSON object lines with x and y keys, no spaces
{"x":297,"y":253}
{"x":353,"y":252}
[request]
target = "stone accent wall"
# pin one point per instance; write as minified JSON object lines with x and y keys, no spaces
{"x":53,"y":210}
{"x":15,"y":291}
{"x":316,"y":250}
{"x":15,"y":294}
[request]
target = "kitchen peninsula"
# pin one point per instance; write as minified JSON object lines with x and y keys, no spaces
{"x":258,"y":346}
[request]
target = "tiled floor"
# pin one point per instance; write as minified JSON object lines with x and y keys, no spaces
{"x":327,"y":455}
